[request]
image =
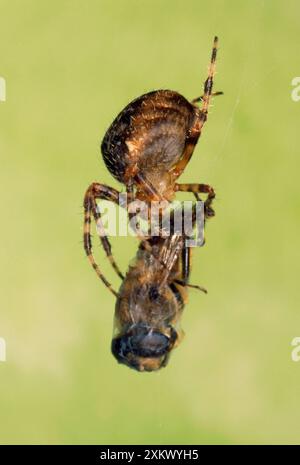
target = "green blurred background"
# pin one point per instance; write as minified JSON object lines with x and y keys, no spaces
{"x":70,"y":67}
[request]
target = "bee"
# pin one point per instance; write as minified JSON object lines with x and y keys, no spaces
{"x":150,"y":303}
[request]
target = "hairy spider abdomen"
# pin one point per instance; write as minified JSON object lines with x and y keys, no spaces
{"x":150,"y":134}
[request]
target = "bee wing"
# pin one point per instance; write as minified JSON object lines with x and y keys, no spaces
{"x":169,"y":255}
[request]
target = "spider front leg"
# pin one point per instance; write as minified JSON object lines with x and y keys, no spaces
{"x":99,"y":191}
{"x":200,"y":189}
{"x":196,"y":129}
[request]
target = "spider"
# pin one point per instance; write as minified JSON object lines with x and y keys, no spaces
{"x":150,"y":303}
{"x":147,"y":148}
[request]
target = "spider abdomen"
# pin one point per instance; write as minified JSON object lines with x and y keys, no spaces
{"x":148,"y":135}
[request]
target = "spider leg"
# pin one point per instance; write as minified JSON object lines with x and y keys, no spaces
{"x":131,"y":215}
{"x":203,"y":189}
{"x":195,"y":131}
{"x":200,"y":98}
{"x":98,"y":191}
{"x":208,"y":85}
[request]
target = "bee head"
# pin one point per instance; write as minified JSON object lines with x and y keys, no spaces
{"x":143,"y":348}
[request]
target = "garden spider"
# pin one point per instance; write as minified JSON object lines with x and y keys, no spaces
{"x":147,"y":148}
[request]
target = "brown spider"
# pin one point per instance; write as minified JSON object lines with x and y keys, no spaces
{"x":147,"y":148}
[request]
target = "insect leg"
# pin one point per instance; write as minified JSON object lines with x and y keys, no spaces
{"x":186,"y":262}
{"x":185,"y":270}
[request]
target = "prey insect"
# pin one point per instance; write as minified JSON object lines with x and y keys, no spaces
{"x":150,"y":304}
{"x":147,"y":148}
